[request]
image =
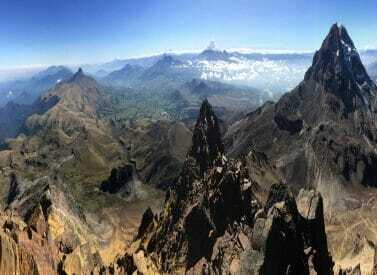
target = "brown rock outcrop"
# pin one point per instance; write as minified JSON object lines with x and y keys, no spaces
{"x":24,"y":251}
{"x":212,"y":223}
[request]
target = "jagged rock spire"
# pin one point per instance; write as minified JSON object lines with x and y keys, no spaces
{"x":81,"y":79}
{"x":207,"y":145}
{"x":338,"y":67}
{"x":79,"y":74}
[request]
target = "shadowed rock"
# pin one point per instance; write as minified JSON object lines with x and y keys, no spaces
{"x":206,"y":146}
{"x":118,"y":179}
{"x":325,"y":124}
{"x":213,"y":223}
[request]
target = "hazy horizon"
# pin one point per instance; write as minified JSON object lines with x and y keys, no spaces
{"x":86,"y":32}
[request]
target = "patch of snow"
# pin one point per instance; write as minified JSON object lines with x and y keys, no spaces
{"x":349,"y":48}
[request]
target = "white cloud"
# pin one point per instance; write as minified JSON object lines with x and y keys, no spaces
{"x":268,"y":51}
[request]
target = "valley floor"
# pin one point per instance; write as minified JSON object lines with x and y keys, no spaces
{"x":117,"y":226}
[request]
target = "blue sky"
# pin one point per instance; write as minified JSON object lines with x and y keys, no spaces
{"x":89,"y":31}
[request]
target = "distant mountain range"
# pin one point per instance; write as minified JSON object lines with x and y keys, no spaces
{"x":272,"y":73}
{"x":26,"y":91}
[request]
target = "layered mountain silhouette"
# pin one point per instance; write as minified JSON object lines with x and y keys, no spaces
{"x":13,"y":116}
{"x":25,"y":99}
{"x":168,"y":71}
{"x":127,"y":76}
{"x":25,"y":92}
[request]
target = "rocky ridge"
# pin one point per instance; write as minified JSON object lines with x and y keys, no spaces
{"x":51,"y":179}
{"x":212,"y":222}
{"x":322,"y":135}
{"x":336,"y":97}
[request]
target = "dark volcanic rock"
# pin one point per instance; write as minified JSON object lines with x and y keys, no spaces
{"x":118,"y":179}
{"x":292,"y":126}
{"x":206,"y":141}
{"x":212,"y":223}
{"x":337,"y":66}
{"x":324,"y":130}
{"x":13,"y":188}
{"x":146,"y":221}
{"x":280,"y":192}
{"x":294,"y":243}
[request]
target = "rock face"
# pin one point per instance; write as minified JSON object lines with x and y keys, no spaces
{"x":13,"y":116}
{"x":23,"y":250}
{"x":213,"y":223}
{"x":51,"y":179}
{"x":324,"y":130}
{"x":338,"y":68}
{"x":158,"y":151}
{"x":322,"y":135}
{"x":14,"y":259}
{"x":118,"y":179}
{"x":207,"y":146}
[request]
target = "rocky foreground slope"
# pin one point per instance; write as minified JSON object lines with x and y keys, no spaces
{"x":51,"y":177}
{"x":214,"y":222}
{"x":322,"y":135}
{"x":66,"y":185}
{"x":327,"y":123}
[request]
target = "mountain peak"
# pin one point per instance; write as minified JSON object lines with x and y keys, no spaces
{"x":78,"y":75}
{"x":338,"y":39}
{"x":207,"y":145}
{"x":81,"y":79}
{"x":337,"y":55}
{"x":211,"y":53}
{"x":338,"y":68}
{"x":80,"y":71}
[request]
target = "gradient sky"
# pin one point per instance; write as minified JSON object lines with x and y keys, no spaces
{"x":88,"y":31}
